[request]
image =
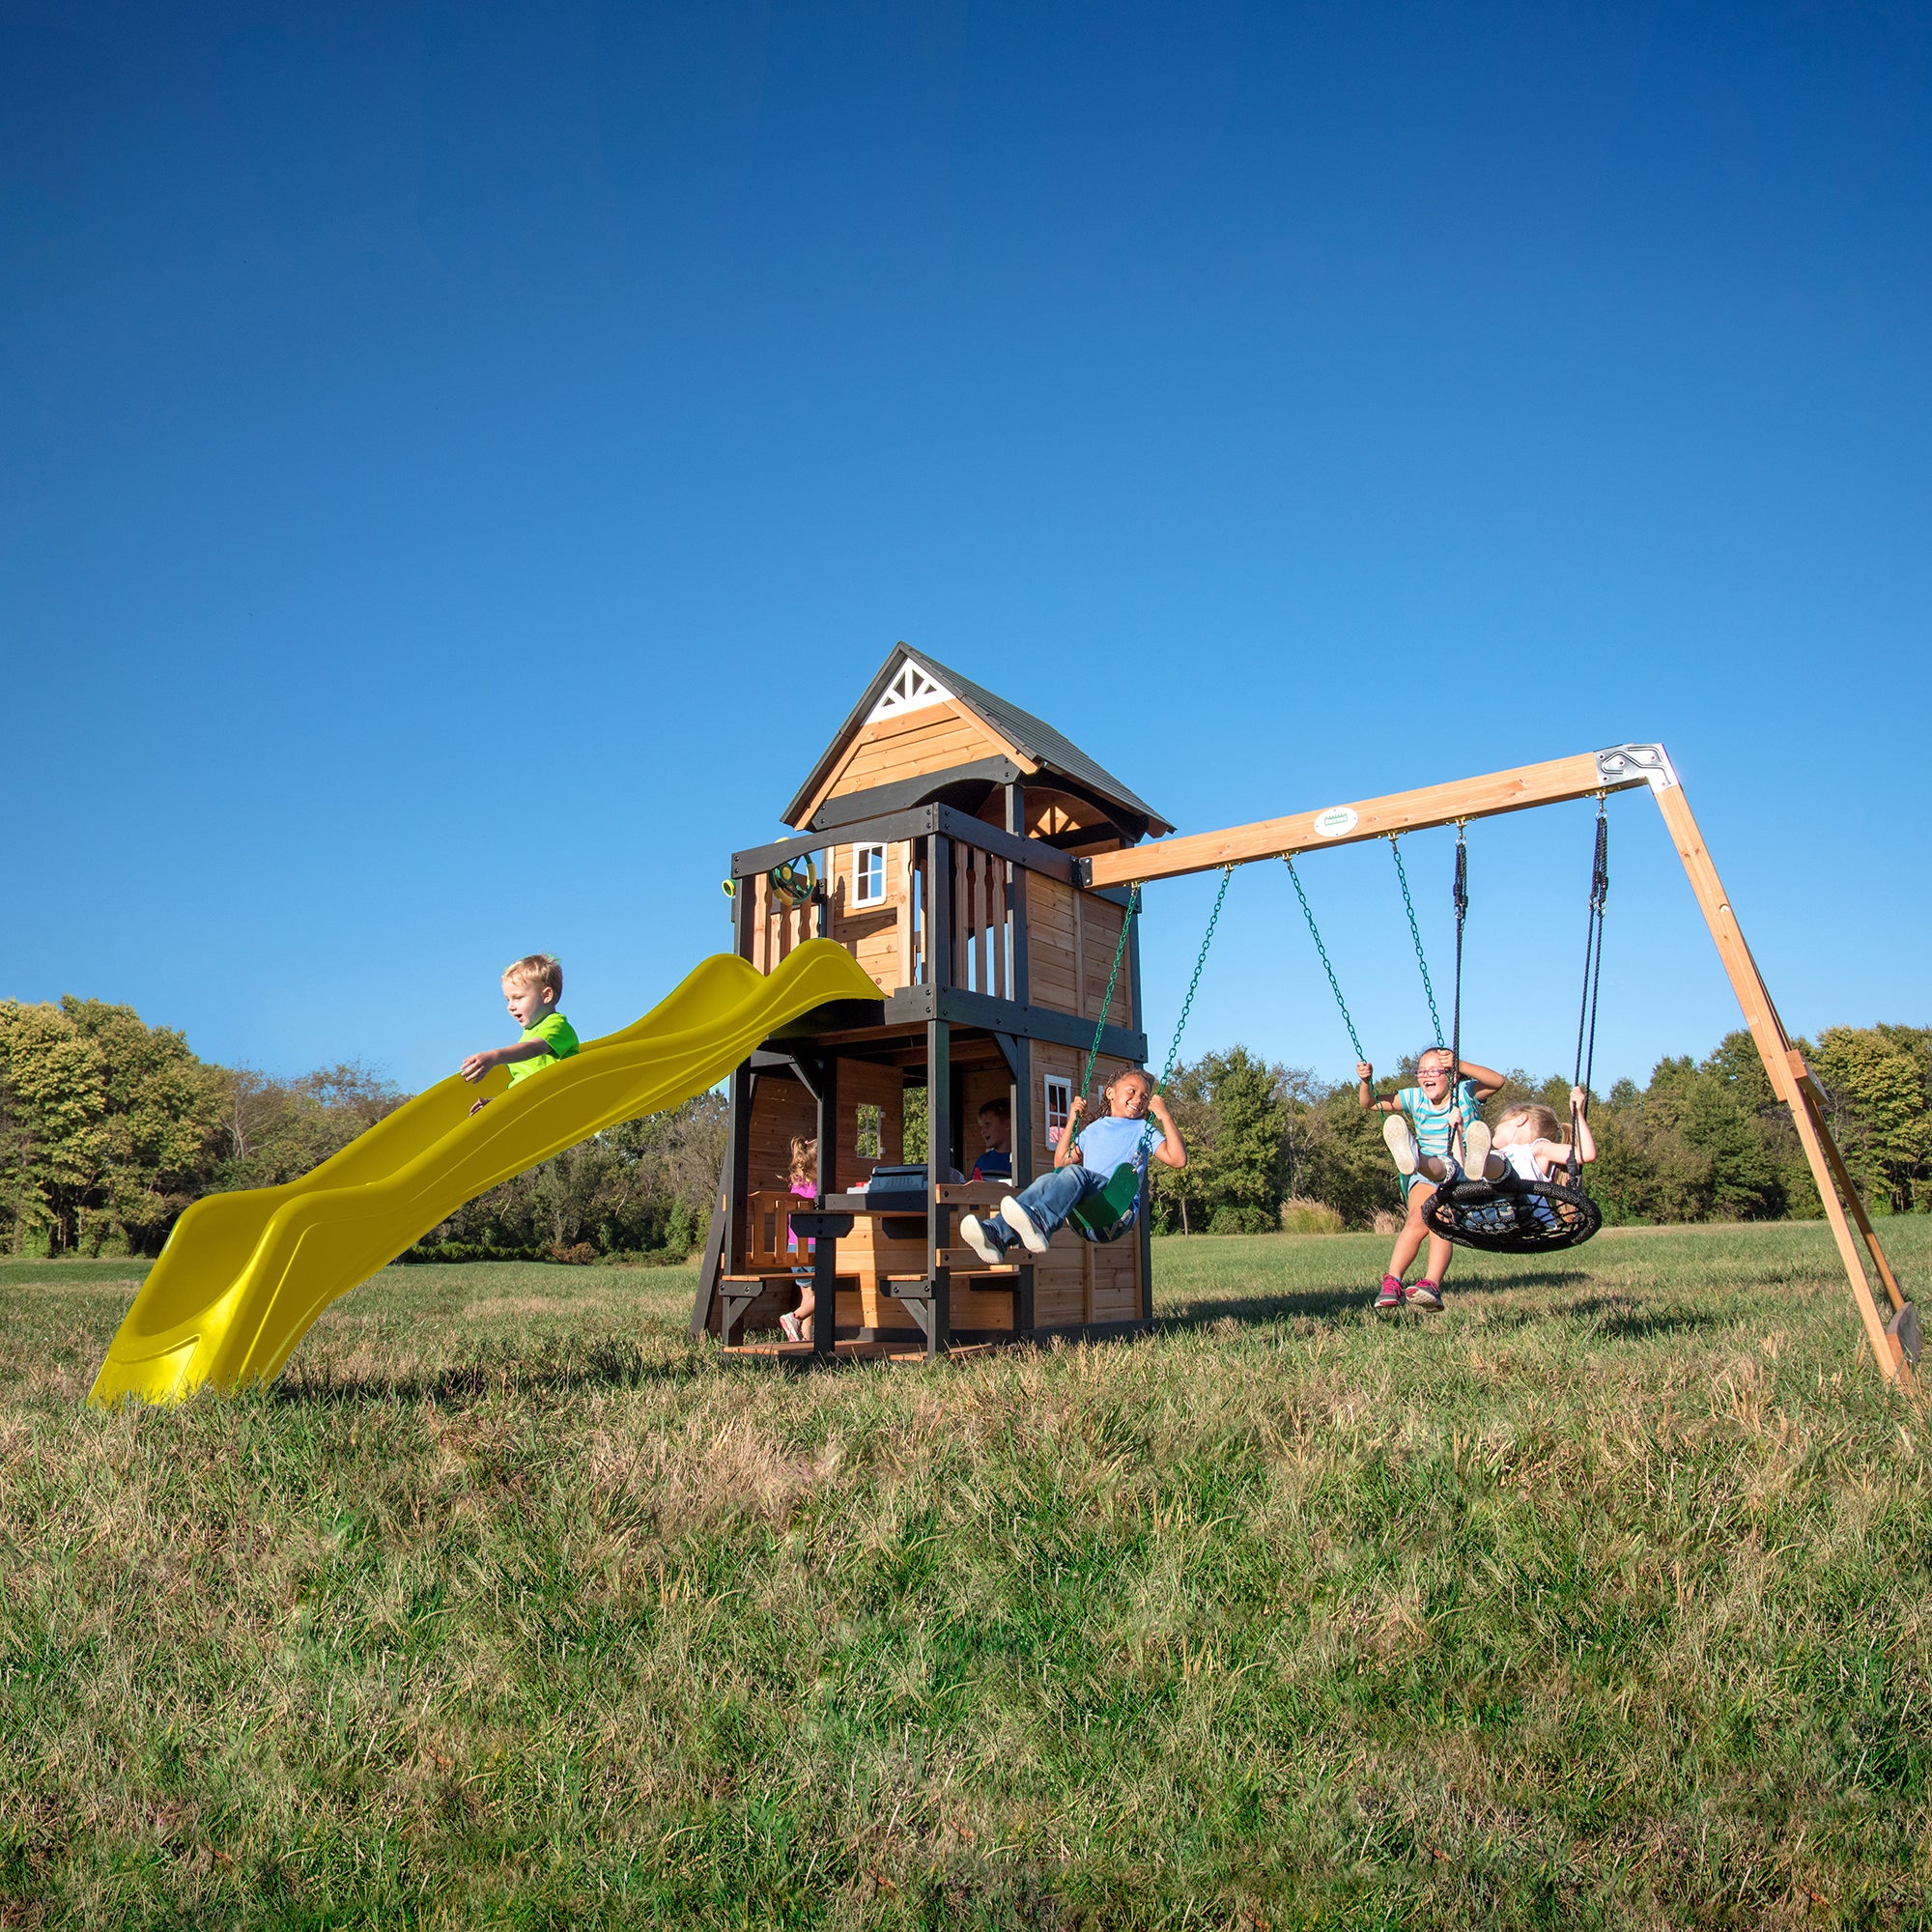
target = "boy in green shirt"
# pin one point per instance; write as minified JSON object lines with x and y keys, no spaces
{"x":531,"y":987}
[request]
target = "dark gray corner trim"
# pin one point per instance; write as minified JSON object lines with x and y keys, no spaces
{"x":851,"y":807}
{"x":921,"y":822}
{"x":756,"y":859}
{"x":1002,"y":1016}
{"x":1083,"y":877}
{"x":835,"y":1017}
{"x":1029,"y":852}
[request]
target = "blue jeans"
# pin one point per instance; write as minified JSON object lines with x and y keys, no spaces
{"x":1049,"y":1200}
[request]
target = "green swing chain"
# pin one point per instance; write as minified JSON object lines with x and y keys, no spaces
{"x":1315,"y":933}
{"x":1186,"y":1005}
{"x":1415,"y":933}
{"x":1113,"y":975}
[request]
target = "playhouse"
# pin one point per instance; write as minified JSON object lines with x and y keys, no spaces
{"x":945,"y":828}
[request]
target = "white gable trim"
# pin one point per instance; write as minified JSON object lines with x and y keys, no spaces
{"x":912,"y":690}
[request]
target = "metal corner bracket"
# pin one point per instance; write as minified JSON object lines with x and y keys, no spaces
{"x":1622,"y":764}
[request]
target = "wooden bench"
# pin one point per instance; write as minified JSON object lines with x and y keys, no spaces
{"x":756,"y":1301}
{"x":914,"y":1294}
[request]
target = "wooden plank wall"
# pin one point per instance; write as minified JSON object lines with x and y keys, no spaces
{"x":1070,"y":941}
{"x":1053,"y":955}
{"x":1100,"y":935}
{"x":911,"y":745}
{"x":873,"y":935}
{"x":1075,"y":1282}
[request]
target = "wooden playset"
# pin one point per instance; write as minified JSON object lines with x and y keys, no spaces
{"x":979,"y":868}
{"x":941,"y":835}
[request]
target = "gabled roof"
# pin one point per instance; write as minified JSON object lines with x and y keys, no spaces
{"x":1032,"y":737}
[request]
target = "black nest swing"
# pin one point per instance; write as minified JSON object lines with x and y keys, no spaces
{"x":1510,"y":1216}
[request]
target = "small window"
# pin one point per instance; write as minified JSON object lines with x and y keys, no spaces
{"x":1059,"y":1104}
{"x":868,"y":875}
{"x":871,"y":1132}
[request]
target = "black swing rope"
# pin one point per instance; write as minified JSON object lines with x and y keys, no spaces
{"x":1593,"y":974}
{"x":1513,"y":1215}
{"x":1462,"y":918}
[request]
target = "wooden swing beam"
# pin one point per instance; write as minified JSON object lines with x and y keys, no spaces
{"x":1621,"y":768}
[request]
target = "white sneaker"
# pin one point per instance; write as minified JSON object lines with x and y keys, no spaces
{"x":1023,"y":1225}
{"x":1476,"y":1150}
{"x":972,"y":1232}
{"x":1400,"y":1143}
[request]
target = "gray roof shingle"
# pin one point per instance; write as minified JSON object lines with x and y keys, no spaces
{"x":1033,"y":736}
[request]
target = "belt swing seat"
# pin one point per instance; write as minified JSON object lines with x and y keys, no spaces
{"x":1511,"y":1215}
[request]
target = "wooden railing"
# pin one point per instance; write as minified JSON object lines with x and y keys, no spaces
{"x":777,"y":924}
{"x":979,"y":891}
{"x":982,"y":921}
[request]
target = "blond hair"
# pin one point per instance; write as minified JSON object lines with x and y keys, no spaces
{"x":1540,"y":1117}
{"x":804,"y":1158}
{"x":536,"y":969}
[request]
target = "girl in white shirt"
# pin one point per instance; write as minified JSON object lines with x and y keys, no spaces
{"x":1528,"y":1140}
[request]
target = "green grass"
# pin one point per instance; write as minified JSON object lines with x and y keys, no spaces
{"x":1602,"y":1600}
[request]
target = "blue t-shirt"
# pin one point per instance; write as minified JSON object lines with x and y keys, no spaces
{"x":1105,"y":1142}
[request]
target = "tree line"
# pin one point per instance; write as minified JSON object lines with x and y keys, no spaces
{"x":1271,"y":1146}
{"x":110,"y":1128}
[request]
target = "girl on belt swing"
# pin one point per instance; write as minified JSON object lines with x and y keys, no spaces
{"x":1436,"y":1137}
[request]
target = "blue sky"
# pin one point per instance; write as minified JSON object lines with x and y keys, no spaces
{"x":459,"y":464}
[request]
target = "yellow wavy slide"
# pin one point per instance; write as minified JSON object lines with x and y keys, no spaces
{"x":245,"y":1274}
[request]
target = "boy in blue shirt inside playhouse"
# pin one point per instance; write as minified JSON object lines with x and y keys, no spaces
{"x":1083,"y":1164}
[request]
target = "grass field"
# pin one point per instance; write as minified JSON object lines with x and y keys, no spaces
{"x":1602,"y":1600}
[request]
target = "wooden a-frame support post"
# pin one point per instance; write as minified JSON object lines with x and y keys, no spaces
{"x":1792,"y":1082}
{"x":1587,"y":775}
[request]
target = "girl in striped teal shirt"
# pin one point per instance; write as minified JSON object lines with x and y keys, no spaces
{"x":1434,"y":1135}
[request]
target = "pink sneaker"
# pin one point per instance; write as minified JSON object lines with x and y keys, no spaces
{"x":792,"y":1327}
{"x":1427,"y":1296}
{"x":1391,"y":1295}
